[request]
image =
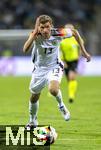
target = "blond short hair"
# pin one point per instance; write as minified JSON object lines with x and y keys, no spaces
{"x":44,"y":19}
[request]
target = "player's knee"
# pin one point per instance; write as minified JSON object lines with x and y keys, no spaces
{"x":34,"y":98}
{"x":53,"y":91}
{"x":72,"y":78}
{"x":72,"y":75}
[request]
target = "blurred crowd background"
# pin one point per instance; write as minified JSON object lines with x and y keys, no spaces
{"x":84,"y":14}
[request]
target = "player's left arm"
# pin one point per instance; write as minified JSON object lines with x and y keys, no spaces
{"x":81,"y":44}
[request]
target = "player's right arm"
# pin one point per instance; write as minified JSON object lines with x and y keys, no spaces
{"x":33,"y":35}
{"x":29,"y":42}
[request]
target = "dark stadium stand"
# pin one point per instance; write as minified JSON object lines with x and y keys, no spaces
{"x":21,"y":14}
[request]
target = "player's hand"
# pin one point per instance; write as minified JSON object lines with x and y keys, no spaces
{"x":36,"y":30}
{"x":88,"y":57}
{"x":32,"y":35}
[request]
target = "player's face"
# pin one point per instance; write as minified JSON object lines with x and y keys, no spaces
{"x":45,"y":29}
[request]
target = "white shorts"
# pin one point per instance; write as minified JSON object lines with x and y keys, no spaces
{"x":42,"y":77}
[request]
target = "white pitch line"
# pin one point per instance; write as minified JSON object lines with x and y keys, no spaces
{"x":78,"y":139}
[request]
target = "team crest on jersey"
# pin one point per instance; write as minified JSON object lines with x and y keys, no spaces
{"x":54,"y":42}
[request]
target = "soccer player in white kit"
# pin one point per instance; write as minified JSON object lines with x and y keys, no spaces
{"x":48,"y":68}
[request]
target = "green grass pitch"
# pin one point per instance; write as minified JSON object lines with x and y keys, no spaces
{"x":82,"y":132}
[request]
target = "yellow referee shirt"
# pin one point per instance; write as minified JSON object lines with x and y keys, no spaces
{"x":69,"y":49}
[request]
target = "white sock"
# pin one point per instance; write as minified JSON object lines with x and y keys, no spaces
{"x":33,"y":110}
{"x":59,"y":98}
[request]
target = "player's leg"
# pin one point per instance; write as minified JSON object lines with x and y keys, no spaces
{"x":71,"y":73}
{"x":55,"y":91}
{"x":54,"y":88}
{"x":33,"y":108}
{"x":36,"y":85}
{"x":72,"y":85}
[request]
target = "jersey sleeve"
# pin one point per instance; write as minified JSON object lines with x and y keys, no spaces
{"x":34,"y":53}
{"x":66,"y":32}
{"x":62,"y":32}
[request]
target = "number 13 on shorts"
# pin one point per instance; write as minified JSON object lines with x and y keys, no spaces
{"x":56,"y":74}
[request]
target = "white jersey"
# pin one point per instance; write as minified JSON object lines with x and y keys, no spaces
{"x":48,"y":66}
{"x":45,"y":52}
